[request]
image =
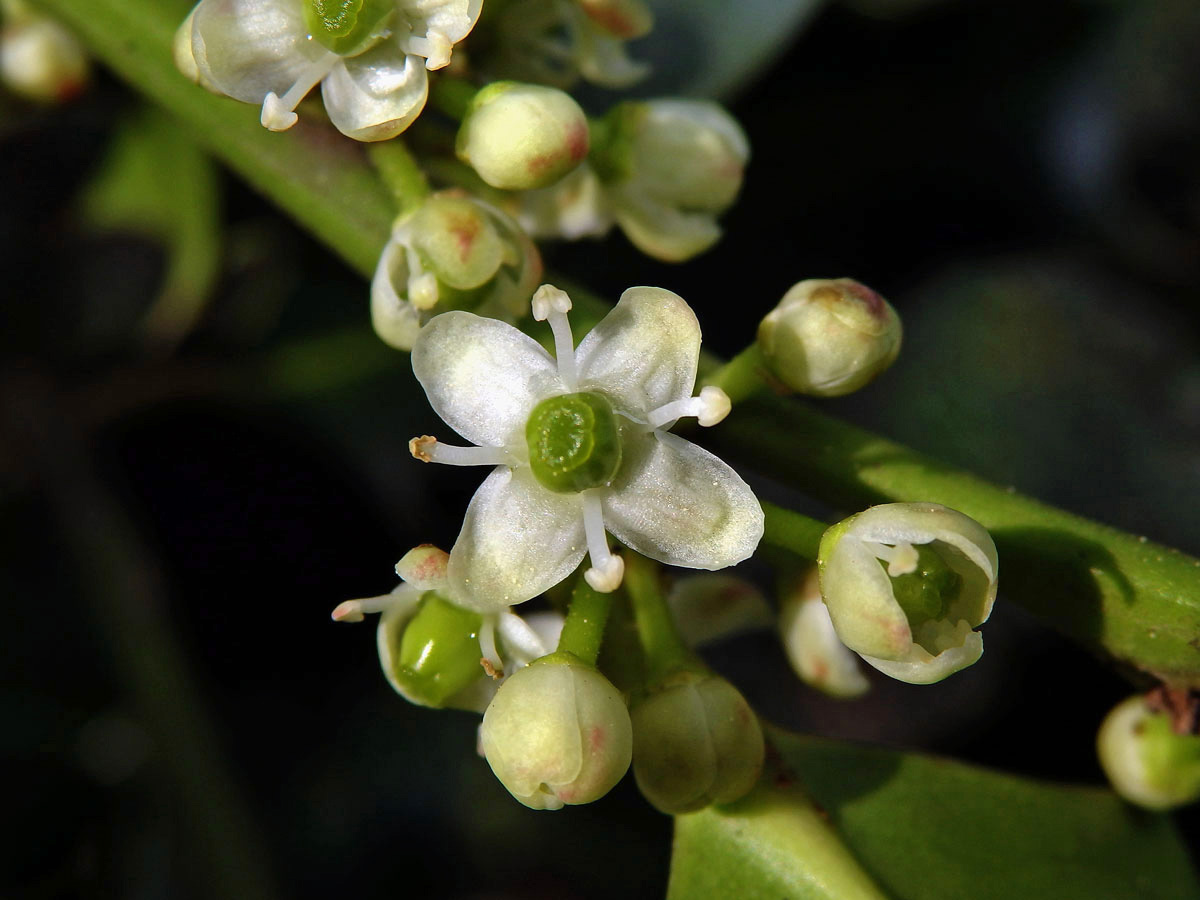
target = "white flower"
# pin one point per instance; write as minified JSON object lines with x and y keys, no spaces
{"x":663,"y":170}
{"x":555,"y":491}
{"x":557,"y":42}
{"x":435,"y":653}
{"x":370,"y":60}
{"x":906,"y":584}
{"x":452,"y":246}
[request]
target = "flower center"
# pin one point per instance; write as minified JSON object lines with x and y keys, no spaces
{"x":438,"y":651}
{"x":926,"y":592}
{"x":574,"y":442}
{"x":347,"y":27}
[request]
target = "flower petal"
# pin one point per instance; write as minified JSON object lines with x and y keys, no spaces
{"x":454,"y":19}
{"x":248,"y":48}
{"x":679,"y":504}
{"x":518,"y":539}
{"x":376,"y":95}
{"x":921,"y":667}
{"x":483,"y":377}
{"x":662,"y":231}
{"x":643,"y":353}
{"x":395,"y":319}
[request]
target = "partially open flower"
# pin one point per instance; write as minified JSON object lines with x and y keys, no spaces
{"x":518,"y":137}
{"x":557,"y":42}
{"x":433,"y":651}
{"x":696,"y":741}
{"x":557,"y":732}
{"x":828,"y":337}
{"x":670,"y":167}
{"x":906,"y":584}
{"x":454,"y":251}
{"x":580,"y":445}
{"x":39,"y":58}
{"x":369,"y":56}
{"x":1146,"y":761}
{"x":812,"y":646}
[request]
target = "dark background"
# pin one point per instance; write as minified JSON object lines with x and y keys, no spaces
{"x":1020,"y":179}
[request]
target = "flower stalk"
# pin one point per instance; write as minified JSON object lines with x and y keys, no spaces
{"x":587,"y":617}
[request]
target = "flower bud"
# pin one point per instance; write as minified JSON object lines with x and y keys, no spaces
{"x":1146,"y":761}
{"x":828,"y":337}
{"x":625,"y":19}
{"x":670,"y":167}
{"x":557,"y":732}
{"x":812,"y":645}
{"x":708,"y":608}
{"x":453,"y":252}
{"x":905,"y":584}
{"x":696,"y":741}
{"x":39,"y":59}
{"x":518,"y":137}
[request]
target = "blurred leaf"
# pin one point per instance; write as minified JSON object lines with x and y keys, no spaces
{"x":927,"y":829}
{"x":158,"y":183}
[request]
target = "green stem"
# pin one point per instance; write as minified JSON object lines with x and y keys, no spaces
{"x":743,"y":376}
{"x":665,"y":650}
{"x":792,"y":531}
{"x":400,"y":172}
{"x":583,"y":631}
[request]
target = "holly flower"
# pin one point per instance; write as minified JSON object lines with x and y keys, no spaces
{"x":369,"y":56}
{"x":581,"y":446}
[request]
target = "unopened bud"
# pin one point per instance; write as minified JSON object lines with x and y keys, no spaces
{"x":1147,"y":762}
{"x":828,"y":337}
{"x":557,"y":732}
{"x":520,"y":137}
{"x":906,"y":584}
{"x":624,"y":19}
{"x":40,"y":59}
{"x":812,"y":646}
{"x":696,"y":741}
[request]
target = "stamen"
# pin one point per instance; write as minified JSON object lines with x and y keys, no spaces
{"x":521,"y":641}
{"x":429,"y":449}
{"x":901,"y":558}
{"x":422,"y":285}
{"x":278,"y":112}
{"x":487,"y":647}
{"x":356,"y":610}
{"x":710,"y":407}
{"x":551,"y":304}
{"x":607,"y":570}
{"x":435,"y":47}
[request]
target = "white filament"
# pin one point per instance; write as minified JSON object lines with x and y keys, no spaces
{"x":278,"y":113}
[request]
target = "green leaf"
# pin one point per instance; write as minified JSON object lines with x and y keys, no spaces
{"x":156,"y":182}
{"x":924,"y":829}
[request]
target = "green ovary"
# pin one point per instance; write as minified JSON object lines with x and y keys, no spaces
{"x":439,"y":651}
{"x":346,"y":27}
{"x":926,"y":593}
{"x":574,"y":442}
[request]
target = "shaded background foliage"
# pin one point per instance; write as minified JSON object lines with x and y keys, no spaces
{"x":1019,"y":178}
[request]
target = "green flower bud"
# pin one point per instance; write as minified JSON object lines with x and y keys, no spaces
{"x":574,"y":442}
{"x":557,"y":732}
{"x":696,"y":741}
{"x":828,"y":337}
{"x":348,"y":27}
{"x":39,"y":59}
{"x":812,"y":646}
{"x":430,"y":652}
{"x":522,"y":136}
{"x":905,"y":584}
{"x":1146,"y":761}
